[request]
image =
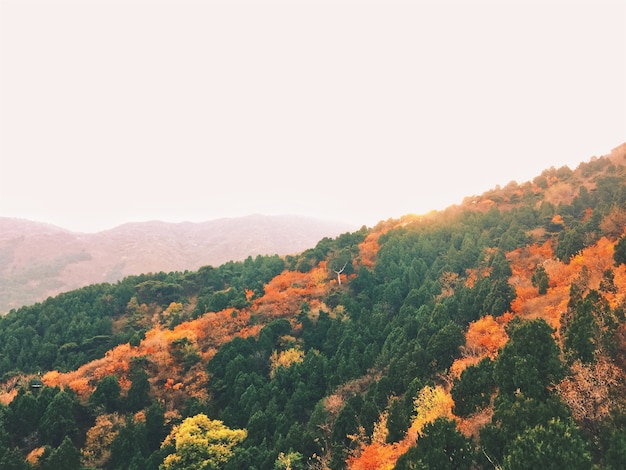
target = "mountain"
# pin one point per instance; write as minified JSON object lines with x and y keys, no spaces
{"x":40,"y":260}
{"x":491,"y":334}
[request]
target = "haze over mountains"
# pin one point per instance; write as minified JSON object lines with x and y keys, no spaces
{"x":39,"y":260}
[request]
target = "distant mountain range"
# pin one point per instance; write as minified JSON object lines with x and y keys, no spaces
{"x":39,"y":260}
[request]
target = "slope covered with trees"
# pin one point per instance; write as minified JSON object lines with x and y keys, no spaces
{"x":492,"y":334}
{"x":40,"y":260}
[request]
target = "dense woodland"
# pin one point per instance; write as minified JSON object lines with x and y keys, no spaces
{"x":488,"y":335}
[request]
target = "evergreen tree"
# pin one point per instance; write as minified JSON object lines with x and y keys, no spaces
{"x":107,"y":394}
{"x":139,"y":392}
{"x":554,"y":446}
{"x":619,"y":253}
{"x":529,"y":363}
{"x":441,"y":446}
{"x":66,"y":457}
{"x":59,"y":420}
{"x":540,"y":280}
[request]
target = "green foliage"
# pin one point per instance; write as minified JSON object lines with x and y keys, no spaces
{"x":473,"y":390}
{"x":128,"y":444}
{"x":107,"y":394}
{"x":512,"y":417}
{"x":556,"y":445}
{"x":619,"y":254}
{"x":540,"y":280}
{"x":441,"y":446}
{"x":139,"y":392}
{"x":529,"y":363}
{"x":59,"y":420}
{"x":582,"y":332}
{"x":398,"y":421}
{"x":66,"y":456}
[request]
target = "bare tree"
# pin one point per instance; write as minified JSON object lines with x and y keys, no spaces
{"x":338,"y":273}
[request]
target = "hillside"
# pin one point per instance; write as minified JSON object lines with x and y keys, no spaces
{"x":488,"y":335}
{"x":40,"y":260}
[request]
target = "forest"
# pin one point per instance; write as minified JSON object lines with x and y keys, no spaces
{"x":488,"y":335}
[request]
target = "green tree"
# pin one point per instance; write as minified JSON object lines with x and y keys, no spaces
{"x":139,"y":392}
{"x":129,"y":442}
{"x":619,"y":253}
{"x":12,"y":459}
{"x":473,"y":390}
{"x":616,"y":453}
{"x":107,"y":394}
{"x":398,"y":421}
{"x":529,"y":362}
{"x":201,"y":444}
{"x":59,"y":419}
{"x":554,"y":446}
{"x":155,"y":426}
{"x":440,"y":447}
{"x":66,"y":457}
{"x":514,"y":415}
{"x":23,"y":414}
{"x":540,"y":280}
{"x":582,"y":332}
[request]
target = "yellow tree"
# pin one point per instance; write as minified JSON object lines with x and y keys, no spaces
{"x":201,"y":444}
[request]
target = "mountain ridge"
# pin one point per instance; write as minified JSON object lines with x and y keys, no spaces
{"x":38,"y":260}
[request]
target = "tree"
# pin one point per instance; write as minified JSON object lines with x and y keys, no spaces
{"x":529,"y":362}
{"x":130,"y":441}
{"x":11,"y":459}
{"x":619,"y":253}
{"x":398,"y":421}
{"x":66,"y":456}
{"x":155,"y":426}
{"x":556,"y":445}
{"x":441,"y":446}
{"x":59,"y":419}
{"x":201,"y":444}
{"x":139,"y":393}
{"x":107,"y":394}
{"x":540,"y":280}
{"x":473,"y":390}
{"x":23,"y":414}
{"x":582,"y":332}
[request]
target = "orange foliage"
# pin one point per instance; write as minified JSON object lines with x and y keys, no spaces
{"x":486,"y":336}
{"x":286,"y":292}
{"x":557,"y":219}
{"x":375,"y":456}
{"x":471,"y":426}
{"x":34,"y":455}
{"x":431,"y":403}
{"x":368,"y":249}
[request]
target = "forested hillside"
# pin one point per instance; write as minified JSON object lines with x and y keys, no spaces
{"x":488,"y":335}
{"x":41,"y":260}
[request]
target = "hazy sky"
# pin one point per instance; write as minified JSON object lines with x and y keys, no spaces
{"x":116,"y":111}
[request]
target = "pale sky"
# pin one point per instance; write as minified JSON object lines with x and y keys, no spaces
{"x":118,"y":111}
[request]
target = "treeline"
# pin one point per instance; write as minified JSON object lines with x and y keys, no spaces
{"x":71,"y":329}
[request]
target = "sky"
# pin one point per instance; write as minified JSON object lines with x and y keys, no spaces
{"x":117,"y":111}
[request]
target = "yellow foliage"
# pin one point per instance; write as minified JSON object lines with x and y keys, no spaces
{"x":319,"y":275}
{"x":201,"y":442}
{"x":380,"y":429}
{"x":96,"y":450}
{"x":285,"y":359}
{"x":431,"y":403}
